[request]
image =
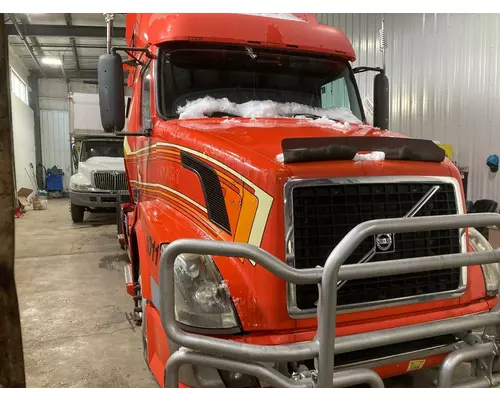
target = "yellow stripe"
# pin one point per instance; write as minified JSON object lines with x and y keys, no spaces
{"x":265,"y":201}
{"x":126,"y":147}
{"x":157,"y":185}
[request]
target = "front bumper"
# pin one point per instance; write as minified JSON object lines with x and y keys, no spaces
{"x":93,"y":199}
{"x":324,"y":347}
{"x":195,"y":369}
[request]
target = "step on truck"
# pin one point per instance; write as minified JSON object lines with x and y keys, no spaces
{"x":275,"y":237}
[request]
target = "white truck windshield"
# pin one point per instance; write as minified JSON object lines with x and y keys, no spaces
{"x":101,"y":148}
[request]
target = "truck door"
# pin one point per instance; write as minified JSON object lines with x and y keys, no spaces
{"x":141,"y":114}
{"x":145,"y":123}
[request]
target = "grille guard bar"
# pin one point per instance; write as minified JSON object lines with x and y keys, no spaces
{"x":231,"y":355}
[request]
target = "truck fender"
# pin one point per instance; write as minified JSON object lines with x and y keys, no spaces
{"x":157,"y":224}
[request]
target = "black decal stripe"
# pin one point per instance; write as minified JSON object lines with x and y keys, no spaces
{"x":296,"y":150}
{"x":212,"y":190}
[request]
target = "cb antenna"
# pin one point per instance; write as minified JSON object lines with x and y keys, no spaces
{"x":109,"y":17}
{"x":382,"y":33}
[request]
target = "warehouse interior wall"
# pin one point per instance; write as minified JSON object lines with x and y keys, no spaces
{"x":54,"y":122}
{"x":23,"y":129}
{"x":54,"y":92}
{"x":444,"y":76}
{"x":16,"y":63}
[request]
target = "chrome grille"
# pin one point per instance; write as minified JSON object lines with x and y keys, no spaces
{"x":112,"y":180}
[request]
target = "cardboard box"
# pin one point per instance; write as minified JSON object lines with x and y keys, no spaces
{"x":22,"y":196}
{"x":24,"y":192}
{"x":494,"y":237}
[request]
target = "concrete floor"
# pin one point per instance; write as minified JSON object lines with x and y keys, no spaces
{"x":75,"y":313}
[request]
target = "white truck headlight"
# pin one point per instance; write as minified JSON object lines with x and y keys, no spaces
{"x":202,"y":299}
{"x":491,"y":272}
{"x":80,"y":182}
{"x":80,"y":186}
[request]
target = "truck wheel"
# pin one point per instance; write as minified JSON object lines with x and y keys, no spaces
{"x":77,"y":213}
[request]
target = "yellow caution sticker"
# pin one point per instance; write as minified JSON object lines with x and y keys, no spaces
{"x":415,"y":364}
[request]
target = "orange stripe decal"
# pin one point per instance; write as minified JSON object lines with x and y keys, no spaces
{"x":247,"y":216}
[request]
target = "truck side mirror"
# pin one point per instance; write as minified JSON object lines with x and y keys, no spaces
{"x":381,"y":101}
{"x":111,"y":92}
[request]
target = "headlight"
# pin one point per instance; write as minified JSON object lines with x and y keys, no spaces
{"x":491,"y":272}
{"x":77,"y":186}
{"x":491,"y":279}
{"x":201,"y":297}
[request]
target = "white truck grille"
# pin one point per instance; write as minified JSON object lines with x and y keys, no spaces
{"x":110,"y":180}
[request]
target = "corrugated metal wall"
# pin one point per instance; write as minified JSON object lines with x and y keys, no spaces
{"x":444,"y":81}
{"x":54,"y":122}
{"x":54,"y":126}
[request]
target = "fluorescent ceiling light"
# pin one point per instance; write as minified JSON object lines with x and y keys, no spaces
{"x":51,"y":61}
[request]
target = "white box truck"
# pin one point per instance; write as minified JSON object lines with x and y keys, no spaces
{"x":98,"y":182}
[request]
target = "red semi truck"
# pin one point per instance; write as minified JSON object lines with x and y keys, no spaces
{"x":275,"y":238}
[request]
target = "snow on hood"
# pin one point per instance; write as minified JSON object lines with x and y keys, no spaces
{"x":262,"y":109}
{"x":228,"y":123}
{"x":105,"y":163}
{"x":373,"y":156}
{"x":326,"y":122}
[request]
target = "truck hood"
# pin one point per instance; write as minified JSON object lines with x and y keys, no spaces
{"x":103,"y":164}
{"x":245,"y":153}
{"x":263,"y":137}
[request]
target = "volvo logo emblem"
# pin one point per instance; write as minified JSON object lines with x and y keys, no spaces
{"x":384,"y":242}
{"x":115,"y":173}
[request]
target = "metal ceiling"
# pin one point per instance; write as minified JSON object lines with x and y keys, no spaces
{"x":78,"y":39}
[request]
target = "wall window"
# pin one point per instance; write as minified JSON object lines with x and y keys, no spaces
{"x":18,"y":87}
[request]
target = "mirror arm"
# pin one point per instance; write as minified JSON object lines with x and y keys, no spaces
{"x":127,"y":49}
{"x":357,"y":70}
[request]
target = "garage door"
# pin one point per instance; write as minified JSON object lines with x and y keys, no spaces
{"x":56,"y":148}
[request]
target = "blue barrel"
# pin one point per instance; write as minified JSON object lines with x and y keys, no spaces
{"x":54,"y":183}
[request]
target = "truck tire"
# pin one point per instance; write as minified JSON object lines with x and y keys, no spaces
{"x":77,"y":213}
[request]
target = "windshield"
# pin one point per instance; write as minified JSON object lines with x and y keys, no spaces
{"x":101,"y":148}
{"x":245,"y":74}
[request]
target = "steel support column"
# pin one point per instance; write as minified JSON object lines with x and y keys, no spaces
{"x":34,"y":102}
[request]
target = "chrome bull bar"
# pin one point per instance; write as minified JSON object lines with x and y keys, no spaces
{"x":248,"y":358}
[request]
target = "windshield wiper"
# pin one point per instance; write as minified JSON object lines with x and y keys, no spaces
{"x":216,"y":114}
{"x":313,"y":116}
